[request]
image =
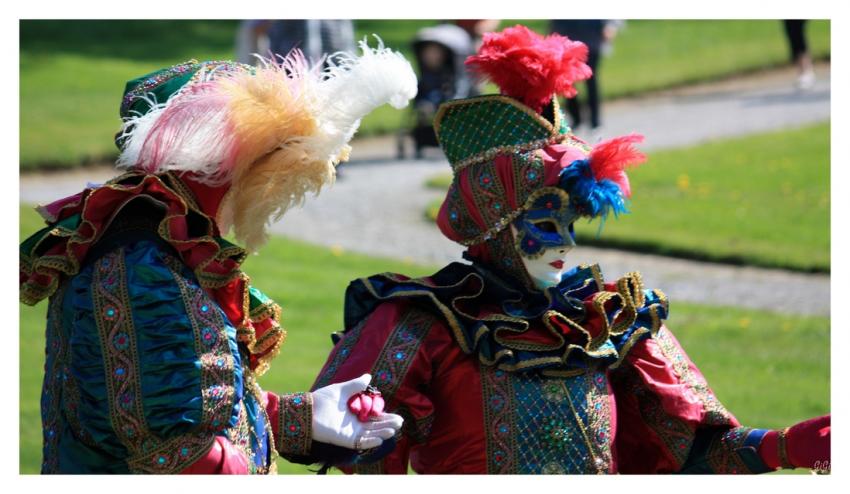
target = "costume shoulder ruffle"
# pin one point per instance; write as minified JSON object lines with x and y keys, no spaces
{"x":78,"y":222}
{"x":76,"y":227}
{"x":583,"y":322}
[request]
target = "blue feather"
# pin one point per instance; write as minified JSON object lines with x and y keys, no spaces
{"x":588,"y":196}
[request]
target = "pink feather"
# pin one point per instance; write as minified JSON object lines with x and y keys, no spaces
{"x":192,"y":110}
{"x":609,"y":159}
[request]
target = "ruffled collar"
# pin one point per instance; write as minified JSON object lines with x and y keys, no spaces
{"x":77,"y":223}
{"x":564,"y":330}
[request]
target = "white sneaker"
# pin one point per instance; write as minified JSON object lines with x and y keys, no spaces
{"x":806,"y":80}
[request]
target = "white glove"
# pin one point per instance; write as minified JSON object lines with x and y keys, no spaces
{"x":333,"y":422}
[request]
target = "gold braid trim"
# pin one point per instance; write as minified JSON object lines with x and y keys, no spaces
{"x":629,"y":294}
{"x":51,"y":267}
{"x":782,"y":446}
{"x":295,"y":424}
{"x":268,"y":345}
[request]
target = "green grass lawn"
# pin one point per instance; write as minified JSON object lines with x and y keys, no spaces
{"x":72,"y":73}
{"x":759,"y":200}
{"x":770,"y":370}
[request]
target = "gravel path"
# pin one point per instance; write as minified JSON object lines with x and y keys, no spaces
{"x":376,"y":206}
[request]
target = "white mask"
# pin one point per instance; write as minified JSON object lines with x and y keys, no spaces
{"x":546,"y":270}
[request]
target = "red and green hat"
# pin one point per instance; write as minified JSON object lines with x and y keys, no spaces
{"x":503,"y":148}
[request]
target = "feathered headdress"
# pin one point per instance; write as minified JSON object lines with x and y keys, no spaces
{"x":530,"y":67}
{"x":504,"y":148}
{"x":599,"y":184}
{"x":275,"y":132}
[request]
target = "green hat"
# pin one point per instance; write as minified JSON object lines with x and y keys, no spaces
{"x":158,"y":86}
{"x":476,"y":129}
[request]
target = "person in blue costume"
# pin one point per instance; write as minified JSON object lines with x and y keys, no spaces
{"x":515,"y":363}
{"x":155,"y":337}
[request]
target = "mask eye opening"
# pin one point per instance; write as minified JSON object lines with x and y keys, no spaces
{"x":546,"y":226}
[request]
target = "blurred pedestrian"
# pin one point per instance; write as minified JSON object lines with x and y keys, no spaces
{"x":315,"y":37}
{"x":597,"y":34}
{"x":795,"y":32}
{"x":250,"y":41}
{"x":439,"y":52}
{"x":477,"y":27}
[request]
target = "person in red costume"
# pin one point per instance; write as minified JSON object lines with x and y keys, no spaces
{"x":515,"y":362}
{"x":155,"y":337}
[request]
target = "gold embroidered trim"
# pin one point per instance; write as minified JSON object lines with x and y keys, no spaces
{"x":270,"y":343}
{"x":399,"y":350}
{"x":295,"y":424}
{"x":512,"y":149}
{"x":68,"y":265}
{"x":553,"y":131}
{"x":715,"y":412}
{"x":782,"y":445}
{"x":438,"y":117}
{"x":630,"y":290}
{"x":117,"y":334}
{"x":212,"y":349}
{"x":497,"y":403}
{"x":52,"y":390}
{"x":600,"y":464}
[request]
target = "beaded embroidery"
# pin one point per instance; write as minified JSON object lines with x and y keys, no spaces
{"x":507,"y":257}
{"x":51,"y":392}
{"x":389,"y":370}
{"x":172,"y":455}
{"x":498,"y":420}
{"x":397,"y":355}
{"x":722,"y":455}
{"x":295,"y":424}
{"x":148,"y":454}
{"x":715,"y":412}
{"x":240,"y":435}
{"x":163,"y":76}
{"x":676,"y":434}
{"x":212,"y":349}
{"x":476,"y":129}
{"x":536,"y":424}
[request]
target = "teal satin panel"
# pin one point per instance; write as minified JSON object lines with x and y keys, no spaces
{"x":87,"y":370}
{"x":169,"y":367}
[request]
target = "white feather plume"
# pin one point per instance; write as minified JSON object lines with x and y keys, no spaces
{"x":274,"y":133}
{"x":352,"y":87}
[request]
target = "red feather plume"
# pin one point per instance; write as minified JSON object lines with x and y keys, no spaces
{"x":530,"y":67}
{"x":609,"y":159}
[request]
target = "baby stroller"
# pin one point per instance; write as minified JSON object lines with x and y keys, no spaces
{"x":440,"y":52}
